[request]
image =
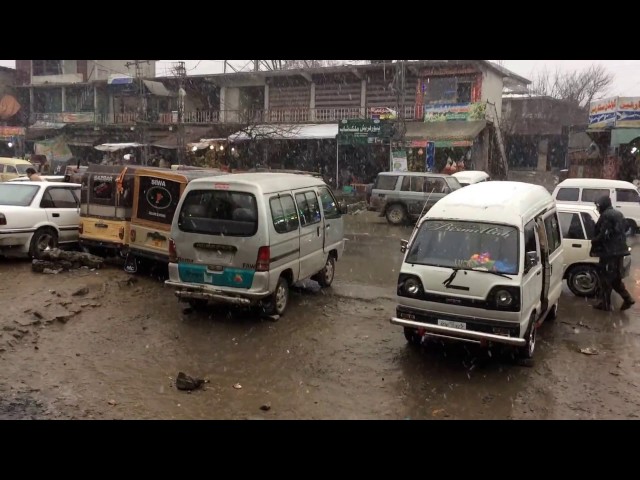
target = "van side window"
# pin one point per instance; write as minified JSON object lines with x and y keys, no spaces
{"x":406,"y":184}
{"x":329,"y":204}
{"x":589,"y":225}
{"x":308,"y":208}
{"x":553,"y":232}
{"x":436,"y":185}
{"x":627,"y":195}
{"x":10,"y":169}
{"x":592,"y":194}
{"x":283,"y":214}
{"x":571,"y":226}
{"x":530,"y":240}
{"x":568,"y":195}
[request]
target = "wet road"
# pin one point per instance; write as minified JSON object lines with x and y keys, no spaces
{"x":114,"y":352}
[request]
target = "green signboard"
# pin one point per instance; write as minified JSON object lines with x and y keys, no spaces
{"x":360,"y":131}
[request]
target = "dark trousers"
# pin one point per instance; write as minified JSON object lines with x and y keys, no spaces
{"x":611,"y":270}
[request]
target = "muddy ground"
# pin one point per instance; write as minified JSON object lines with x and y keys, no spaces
{"x":113,"y":351}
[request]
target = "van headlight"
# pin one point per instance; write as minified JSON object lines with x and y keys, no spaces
{"x":409,"y":286}
{"x":504,"y":298}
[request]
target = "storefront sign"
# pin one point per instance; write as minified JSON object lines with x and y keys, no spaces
{"x":602,"y":113}
{"x":455,"y":111}
{"x":383,"y":113}
{"x":399,"y":161}
{"x":628,"y":112}
{"x":359,"y":132}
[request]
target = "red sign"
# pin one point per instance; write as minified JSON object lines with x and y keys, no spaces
{"x":12,"y":131}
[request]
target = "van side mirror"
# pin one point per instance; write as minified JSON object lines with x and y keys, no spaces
{"x":532,"y":259}
{"x":403,"y":245}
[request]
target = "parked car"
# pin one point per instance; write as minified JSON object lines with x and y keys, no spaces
{"x":11,"y":168}
{"x":468,"y":177}
{"x":624,"y":196}
{"x":577,"y":223}
{"x":245,"y":238}
{"x":403,"y":196}
{"x":48,"y":178}
{"x":36,"y":216}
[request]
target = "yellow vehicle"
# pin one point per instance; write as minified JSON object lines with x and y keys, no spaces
{"x":156,"y":194}
{"x":11,"y":168}
{"x":105,"y":208}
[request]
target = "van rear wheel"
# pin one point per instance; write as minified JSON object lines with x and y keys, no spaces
{"x":325,"y":276}
{"x":277,"y":303}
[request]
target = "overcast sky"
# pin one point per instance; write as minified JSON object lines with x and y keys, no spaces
{"x":626,"y":83}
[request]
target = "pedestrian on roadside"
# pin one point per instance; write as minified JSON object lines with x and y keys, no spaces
{"x":610,"y":244}
{"x":33,"y":175}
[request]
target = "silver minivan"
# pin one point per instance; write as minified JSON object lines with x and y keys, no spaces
{"x":245,"y":238}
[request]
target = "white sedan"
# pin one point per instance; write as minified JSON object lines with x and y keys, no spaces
{"x":581,"y":270}
{"x":36,"y":216}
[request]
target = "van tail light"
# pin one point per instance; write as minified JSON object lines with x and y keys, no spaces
{"x":173,"y":253}
{"x":81,"y":228}
{"x":132,"y":234}
{"x":121,"y":233}
{"x":264,"y":258}
{"x":3,"y":219}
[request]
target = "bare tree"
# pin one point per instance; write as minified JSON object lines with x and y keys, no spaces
{"x":578,"y":87}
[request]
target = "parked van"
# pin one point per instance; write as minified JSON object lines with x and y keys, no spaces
{"x":484,"y":265}
{"x":577,"y":225}
{"x":624,"y":196}
{"x":105,"y":208}
{"x":156,"y":195}
{"x":403,"y":196}
{"x":11,"y":168}
{"x":245,"y":238}
{"x":468,"y":177}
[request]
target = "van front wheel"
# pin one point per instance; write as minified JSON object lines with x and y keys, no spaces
{"x":276,"y":304}
{"x":529,"y":347}
{"x":396,"y":214}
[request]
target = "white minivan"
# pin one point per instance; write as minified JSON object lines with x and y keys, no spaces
{"x":484,"y":265}
{"x":624,"y":196}
{"x":245,"y":238}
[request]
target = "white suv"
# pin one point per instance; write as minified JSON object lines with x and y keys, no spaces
{"x":577,"y":223}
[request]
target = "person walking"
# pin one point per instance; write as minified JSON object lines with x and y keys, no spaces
{"x":609,"y":243}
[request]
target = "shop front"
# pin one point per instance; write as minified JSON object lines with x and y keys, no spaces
{"x":12,"y":141}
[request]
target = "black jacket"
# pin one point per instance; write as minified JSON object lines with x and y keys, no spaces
{"x":610,"y":239}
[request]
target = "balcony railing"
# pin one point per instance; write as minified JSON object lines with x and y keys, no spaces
{"x":275,"y":116}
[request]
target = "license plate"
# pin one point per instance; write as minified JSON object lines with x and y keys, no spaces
{"x":158,"y":243}
{"x":450,"y":324}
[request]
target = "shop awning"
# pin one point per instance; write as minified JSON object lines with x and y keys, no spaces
{"x":114,"y":147}
{"x":453,"y":133}
{"x":40,"y":125}
{"x":623,"y":136}
{"x":157,"y":88}
{"x":190,"y":134}
{"x":287,"y":132}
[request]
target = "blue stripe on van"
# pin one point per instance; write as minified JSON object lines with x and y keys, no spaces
{"x":229,"y":277}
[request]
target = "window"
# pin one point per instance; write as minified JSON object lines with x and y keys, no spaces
{"x":283,"y":213}
{"x":464,"y":92}
{"x":58,"y":198}
{"x":627,"y":195}
{"x":567,"y":195}
{"x":103,"y":190}
{"x":329,"y":204}
{"x":413,"y":184}
{"x":308,"y":208}
{"x":530,"y":240}
{"x":47,"y":67}
{"x":22,"y":168}
{"x":436,"y":185}
{"x":10,"y":169}
{"x":592,"y":194}
{"x":157,"y":198}
{"x":386,"y":182}
{"x":217,"y":212}
{"x":466,"y":245}
{"x":571,"y":226}
{"x":553,"y":232}
{"x":12,"y":193}
{"x":406,"y":184}
{"x":440,"y":90}
{"x":589,"y":224}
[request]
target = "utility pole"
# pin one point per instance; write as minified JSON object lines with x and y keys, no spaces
{"x":180,"y":72}
{"x":142,"y":108}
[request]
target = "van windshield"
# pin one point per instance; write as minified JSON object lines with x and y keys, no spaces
{"x":215,"y":212}
{"x":466,"y":245}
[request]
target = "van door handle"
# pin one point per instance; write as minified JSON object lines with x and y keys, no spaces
{"x":539,"y":271}
{"x":327,"y":226}
{"x":55,"y":214}
{"x":576,"y":245}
